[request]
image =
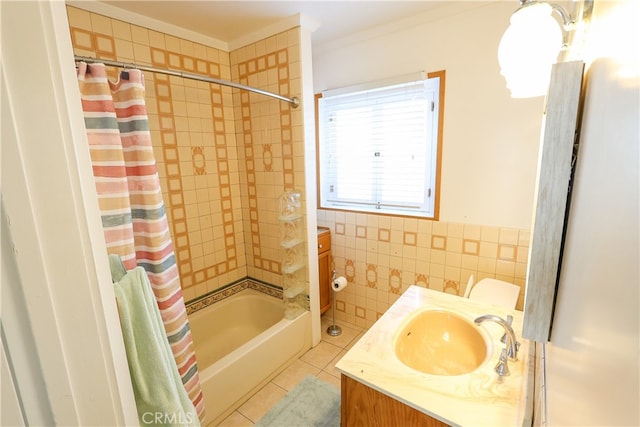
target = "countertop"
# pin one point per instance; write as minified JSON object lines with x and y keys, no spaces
{"x":473,"y":399}
{"x":322,"y":230}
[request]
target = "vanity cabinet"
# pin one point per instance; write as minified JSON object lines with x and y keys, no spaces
{"x":324,"y":267}
{"x":363,"y":406}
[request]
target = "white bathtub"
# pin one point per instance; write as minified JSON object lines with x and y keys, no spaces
{"x":241,"y":343}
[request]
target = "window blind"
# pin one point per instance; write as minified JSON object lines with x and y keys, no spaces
{"x":377,"y":149}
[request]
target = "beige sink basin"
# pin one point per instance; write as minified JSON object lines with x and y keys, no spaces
{"x":440,"y":342}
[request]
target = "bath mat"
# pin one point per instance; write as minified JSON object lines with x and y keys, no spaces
{"x":312,"y":403}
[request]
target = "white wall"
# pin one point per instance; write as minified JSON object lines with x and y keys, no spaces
{"x":490,"y":140}
{"x":74,"y":370}
{"x":18,"y":347}
{"x":593,"y":359}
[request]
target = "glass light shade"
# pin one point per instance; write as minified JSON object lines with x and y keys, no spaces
{"x":528,"y":49}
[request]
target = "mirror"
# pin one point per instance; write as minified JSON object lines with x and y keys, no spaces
{"x":561,"y":126}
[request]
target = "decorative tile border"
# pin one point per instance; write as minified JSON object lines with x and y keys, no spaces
{"x":451,"y":287}
{"x":439,"y":242}
{"x":422,"y":280}
{"x":372,"y":276}
{"x":230,"y":290}
{"x":410,"y":238}
{"x":470,"y":247}
{"x":82,"y":39}
{"x":507,"y":252}
{"x":252,"y":124}
{"x":395,"y":281}
{"x":350,"y":270}
{"x":198,"y":160}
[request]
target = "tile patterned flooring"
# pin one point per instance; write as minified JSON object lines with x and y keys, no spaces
{"x":318,"y":361}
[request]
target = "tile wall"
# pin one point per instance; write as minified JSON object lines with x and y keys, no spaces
{"x":382,"y":255}
{"x":224,"y":156}
{"x":270,"y":142}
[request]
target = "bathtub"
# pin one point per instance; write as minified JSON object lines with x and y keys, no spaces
{"x":241,"y":343}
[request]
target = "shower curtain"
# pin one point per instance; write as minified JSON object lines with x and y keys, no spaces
{"x":131,"y":205}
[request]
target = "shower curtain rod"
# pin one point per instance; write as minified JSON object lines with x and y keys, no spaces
{"x":295,"y":102}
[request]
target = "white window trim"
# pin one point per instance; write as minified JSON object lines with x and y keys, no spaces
{"x":429,"y":209}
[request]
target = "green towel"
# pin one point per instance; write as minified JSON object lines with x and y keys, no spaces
{"x":161,"y":399}
{"x":117,"y":268}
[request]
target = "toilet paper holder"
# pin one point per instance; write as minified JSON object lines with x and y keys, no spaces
{"x":334,"y":330}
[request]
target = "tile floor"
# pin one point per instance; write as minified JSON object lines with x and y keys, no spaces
{"x":318,"y":361}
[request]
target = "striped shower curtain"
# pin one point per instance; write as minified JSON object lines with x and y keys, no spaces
{"x":131,"y":205}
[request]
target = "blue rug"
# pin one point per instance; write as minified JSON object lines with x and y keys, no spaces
{"x":312,"y":403}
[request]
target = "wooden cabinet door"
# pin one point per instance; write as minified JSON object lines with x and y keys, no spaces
{"x":324,"y":268}
{"x":362,"y":406}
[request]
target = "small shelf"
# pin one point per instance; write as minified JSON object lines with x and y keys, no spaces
{"x":288,"y":244}
{"x":290,"y":269}
{"x":294,"y":291}
{"x":291,"y":217}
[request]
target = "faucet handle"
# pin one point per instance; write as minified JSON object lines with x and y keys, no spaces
{"x":502,"y":368}
{"x":516,"y":346}
{"x":503,"y":340}
{"x":513,"y":355}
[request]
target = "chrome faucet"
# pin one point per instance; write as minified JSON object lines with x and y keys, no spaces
{"x":512,"y":345}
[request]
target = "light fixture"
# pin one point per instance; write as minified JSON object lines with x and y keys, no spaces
{"x":532,"y":44}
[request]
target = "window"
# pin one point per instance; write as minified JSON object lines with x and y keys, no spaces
{"x":379,"y":149}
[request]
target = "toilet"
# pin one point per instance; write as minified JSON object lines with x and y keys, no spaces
{"x":493,"y":291}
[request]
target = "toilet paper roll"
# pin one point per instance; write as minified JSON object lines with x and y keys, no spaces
{"x":339,"y":284}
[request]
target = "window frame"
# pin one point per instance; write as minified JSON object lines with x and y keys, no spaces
{"x":441,"y":74}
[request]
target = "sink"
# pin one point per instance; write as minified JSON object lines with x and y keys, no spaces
{"x":441,"y":342}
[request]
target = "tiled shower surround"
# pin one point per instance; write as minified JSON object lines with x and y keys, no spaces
{"x":225,"y":157}
{"x":382,"y":255}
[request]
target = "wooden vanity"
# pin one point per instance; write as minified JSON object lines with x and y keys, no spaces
{"x":378,"y":389}
{"x":363,"y":406}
